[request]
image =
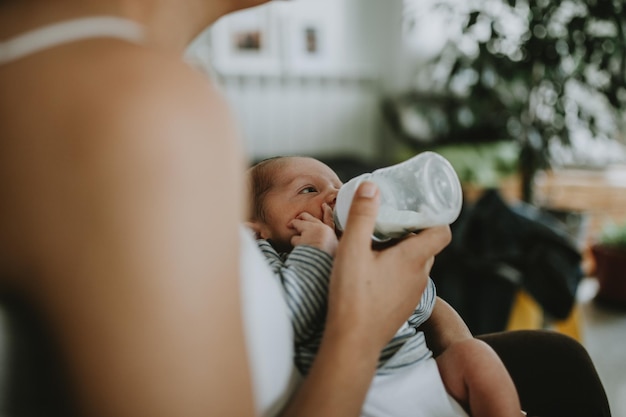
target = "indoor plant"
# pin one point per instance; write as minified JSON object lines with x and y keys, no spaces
{"x":609,"y":253}
{"x":534,"y":71}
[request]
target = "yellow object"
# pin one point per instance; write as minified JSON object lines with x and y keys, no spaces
{"x":572,"y":325}
{"x":526,"y":314}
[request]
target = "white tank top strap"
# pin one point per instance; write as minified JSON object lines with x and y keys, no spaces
{"x":69,"y":31}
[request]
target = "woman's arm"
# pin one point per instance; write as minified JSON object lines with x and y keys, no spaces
{"x":138,"y":241}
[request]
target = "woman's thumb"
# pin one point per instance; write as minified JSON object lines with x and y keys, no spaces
{"x":362,"y":215}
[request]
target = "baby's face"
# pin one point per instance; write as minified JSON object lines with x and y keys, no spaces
{"x":300,"y":185}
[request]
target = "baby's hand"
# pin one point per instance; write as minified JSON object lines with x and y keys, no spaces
{"x":315,"y":232}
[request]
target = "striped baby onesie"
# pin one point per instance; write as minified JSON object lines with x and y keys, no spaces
{"x":304,"y":274}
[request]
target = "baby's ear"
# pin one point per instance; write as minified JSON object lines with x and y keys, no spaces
{"x":256,"y":229}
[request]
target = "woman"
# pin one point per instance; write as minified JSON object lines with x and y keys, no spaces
{"x":112,"y":154}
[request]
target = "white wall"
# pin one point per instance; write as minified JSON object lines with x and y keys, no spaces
{"x":289,"y":102}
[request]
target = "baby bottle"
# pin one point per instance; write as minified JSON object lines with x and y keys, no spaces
{"x":421,"y":192}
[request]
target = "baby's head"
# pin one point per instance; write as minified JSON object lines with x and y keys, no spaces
{"x":281,"y":188}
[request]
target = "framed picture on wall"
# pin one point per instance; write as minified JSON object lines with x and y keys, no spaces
{"x":247,"y":43}
{"x":308,"y":49}
{"x":316,"y":40}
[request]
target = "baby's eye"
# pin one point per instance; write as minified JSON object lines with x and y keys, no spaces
{"x":307,"y":190}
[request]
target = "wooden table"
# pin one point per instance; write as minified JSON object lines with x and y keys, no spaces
{"x":599,"y":195}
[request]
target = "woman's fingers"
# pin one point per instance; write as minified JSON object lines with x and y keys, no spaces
{"x":424,"y":245}
{"x":357,"y":235}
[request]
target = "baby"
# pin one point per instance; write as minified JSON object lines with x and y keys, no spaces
{"x":292,"y":200}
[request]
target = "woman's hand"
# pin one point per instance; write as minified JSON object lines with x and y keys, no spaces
{"x":378,"y":290}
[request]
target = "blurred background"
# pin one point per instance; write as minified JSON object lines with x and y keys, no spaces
{"x":525,"y":98}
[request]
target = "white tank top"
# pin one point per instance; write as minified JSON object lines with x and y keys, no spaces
{"x":266,"y":321}
{"x":56,"y":34}
{"x":268,"y":329}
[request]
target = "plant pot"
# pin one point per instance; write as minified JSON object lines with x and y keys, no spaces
{"x":611,"y":274}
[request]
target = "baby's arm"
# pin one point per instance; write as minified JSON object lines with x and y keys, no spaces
{"x":444,"y":327}
{"x":470,"y":369}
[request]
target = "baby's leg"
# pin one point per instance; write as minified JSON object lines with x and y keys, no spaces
{"x":474,"y":375}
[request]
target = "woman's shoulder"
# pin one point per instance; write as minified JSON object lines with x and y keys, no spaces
{"x":134,"y":95}
{"x":106,"y":118}
{"x":137,"y":78}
